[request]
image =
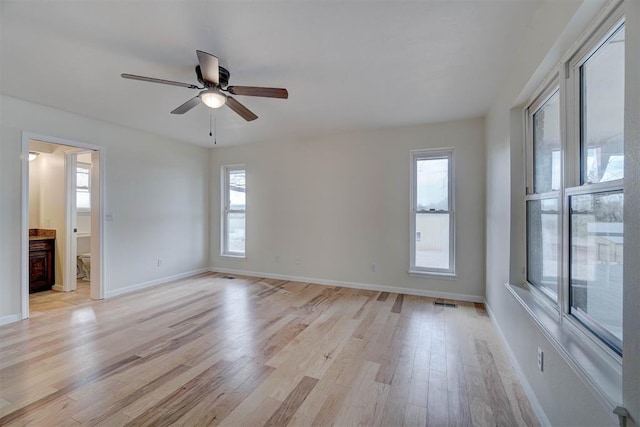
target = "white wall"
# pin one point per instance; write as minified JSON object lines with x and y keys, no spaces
{"x":47,"y":198}
{"x":157,"y":189}
{"x":631,"y":368}
{"x":563,"y":396}
{"x":341,"y":203}
{"x":34,"y":193}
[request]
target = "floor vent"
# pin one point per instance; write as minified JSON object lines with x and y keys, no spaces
{"x":445,"y":304}
{"x":228,"y":277}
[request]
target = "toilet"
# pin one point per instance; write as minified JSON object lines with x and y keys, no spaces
{"x":85,"y":262}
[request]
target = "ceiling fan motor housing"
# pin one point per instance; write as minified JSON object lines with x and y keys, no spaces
{"x":223,"y":77}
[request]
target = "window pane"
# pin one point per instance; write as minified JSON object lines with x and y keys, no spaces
{"x":82,"y":179}
{"x":432,"y":241}
{"x":83,"y":199}
{"x":546,"y":146}
{"x":432,"y":185}
{"x":543,"y":250}
{"x":235,"y":232}
{"x":596,"y":263}
{"x":602,"y":98}
{"x":237,"y":190}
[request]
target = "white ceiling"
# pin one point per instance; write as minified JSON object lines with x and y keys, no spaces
{"x":347,"y":65}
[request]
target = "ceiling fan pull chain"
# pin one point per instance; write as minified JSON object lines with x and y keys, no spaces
{"x":213,"y":133}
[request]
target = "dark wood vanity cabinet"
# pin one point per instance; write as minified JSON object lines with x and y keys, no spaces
{"x":41,"y":265}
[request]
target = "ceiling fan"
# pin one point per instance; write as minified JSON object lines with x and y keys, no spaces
{"x":215,"y":80}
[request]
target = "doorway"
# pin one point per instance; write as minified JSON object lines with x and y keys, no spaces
{"x":56,"y":163}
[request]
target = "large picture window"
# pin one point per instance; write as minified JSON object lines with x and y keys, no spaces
{"x":432,"y":220}
{"x":575,"y":193}
{"x":234,"y":210}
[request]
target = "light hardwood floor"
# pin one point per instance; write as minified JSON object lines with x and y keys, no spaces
{"x":210,"y":350}
{"x":41,"y":302}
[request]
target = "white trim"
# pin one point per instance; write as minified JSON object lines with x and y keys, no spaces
{"x":427,"y":154}
{"x":154,"y":282}
{"x":601,"y":375}
{"x":433,"y":275}
{"x":97,"y":217}
{"x":225,"y":203}
{"x":4,"y":320}
{"x":533,"y":399}
{"x":354,"y":285}
{"x":98,"y":245}
{"x":69,"y":282}
{"x":24,"y":227}
{"x":233,"y":257}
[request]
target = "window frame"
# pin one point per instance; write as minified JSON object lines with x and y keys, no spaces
{"x":575,"y":184}
{"x":567,"y":79}
{"x":549,"y":90}
{"x":225,"y":203}
{"x":432,"y":154}
{"x":87,"y":167}
{"x":602,"y":342}
{"x":592,"y":45}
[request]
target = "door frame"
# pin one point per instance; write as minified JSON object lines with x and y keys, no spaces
{"x":97,"y":215}
{"x":70,"y":267}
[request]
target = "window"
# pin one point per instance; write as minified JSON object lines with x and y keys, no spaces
{"x":83,"y":187}
{"x":596,"y":229}
{"x":595,"y":203}
{"x":601,"y":78}
{"x":542,"y":204}
{"x":432,"y":220}
{"x":543,"y":245}
{"x":234,"y":210}
{"x":575,"y":195}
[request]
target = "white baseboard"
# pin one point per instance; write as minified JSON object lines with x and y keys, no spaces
{"x":355,"y":285}
{"x":151,"y":283}
{"x":535,"y":404}
{"x":58,"y":288}
{"x":10,"y":319}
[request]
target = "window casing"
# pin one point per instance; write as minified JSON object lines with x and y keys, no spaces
{"x":574,"y":193}
{"x":233,"y":211}
{"x":432,"y":213}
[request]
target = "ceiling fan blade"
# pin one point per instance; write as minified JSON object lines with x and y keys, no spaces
{"x":267,"y":92}
{"x":154,"y":80}
{"x":243,"y":111}
{"x":187,"y":105}
{"x":208,"y":67}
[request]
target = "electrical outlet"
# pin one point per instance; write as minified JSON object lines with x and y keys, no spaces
{"x":373,"y":267}
{"x":277,"y":258}
{"x":540,"y":359}
{"x":159,"y":262}
{"x":297,"y":260}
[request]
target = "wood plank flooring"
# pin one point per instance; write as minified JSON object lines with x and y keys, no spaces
{"x":41,"y":302}
{"x":257,"y":352}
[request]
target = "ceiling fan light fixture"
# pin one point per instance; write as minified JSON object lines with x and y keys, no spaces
{"x":213,"y":98}
{"x":33,"y":155}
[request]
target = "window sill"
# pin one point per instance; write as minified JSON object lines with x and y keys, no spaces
{"x":234,"y":257}
{"x":601,"y":372}
{"x":433,"y":275}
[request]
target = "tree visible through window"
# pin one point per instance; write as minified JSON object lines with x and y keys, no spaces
{"x":574,"y":204}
